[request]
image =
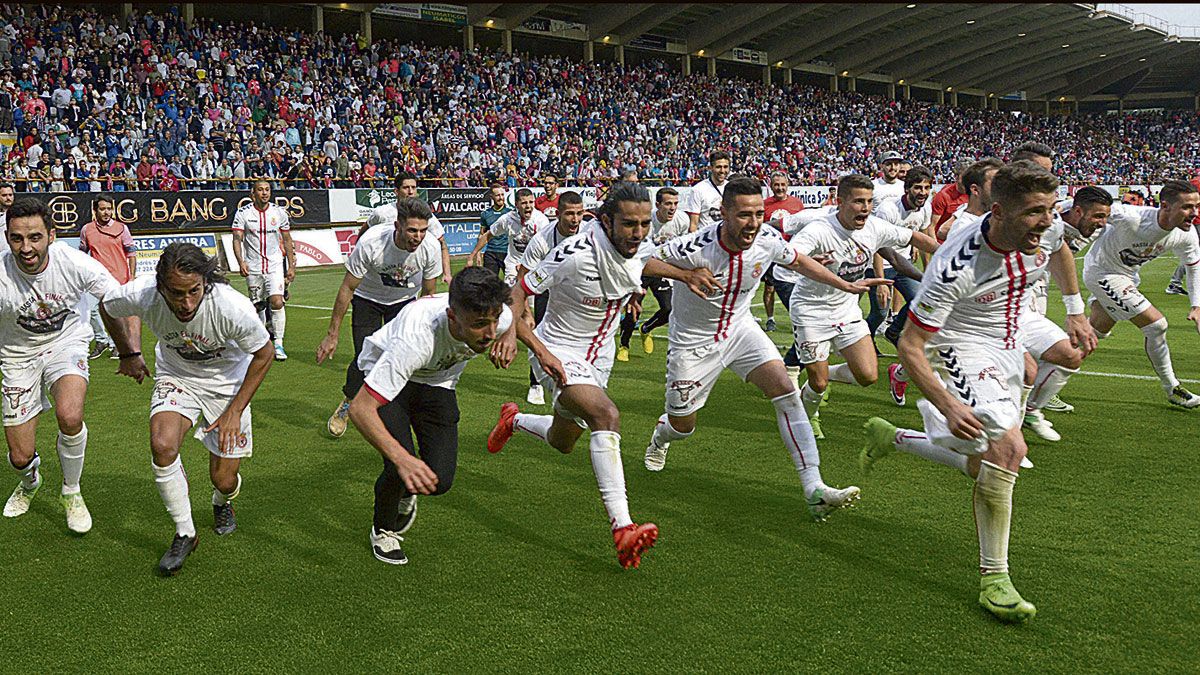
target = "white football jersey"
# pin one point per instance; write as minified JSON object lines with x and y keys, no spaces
{"x":885,"y":190}
{"x":386,"y":215}
{"x":578,"y":316}
{"x":540,"y":246}
{"x":896,"y":211}
{"x":262,"y":245}
{"x":417,"y":346}
{"x":964,"y":219}
{"x":792,"y":224}
{"x":1133,"y":238}
{"x":677,"y":226}
{"x":519,"y":233}
{"x":696,"y":322}
{"x":213,"y":349}
{"x":44,"y":310}
{"x":815,"y":303}
{"x":704,"y":199}
{"x":974,"y":294}
{"x":389,"y":273}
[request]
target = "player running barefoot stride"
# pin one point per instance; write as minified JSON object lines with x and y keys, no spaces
{"x":966,"y":318}
{"x":211,"y":356}
{"x":710,"y":334}
{"x":591,"y":277}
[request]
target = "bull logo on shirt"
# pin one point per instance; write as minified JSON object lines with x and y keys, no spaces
{"x":1138,"y":255}
{"x":682,"y":389}
{"x":44,"y":319}
{"x":190,"y":351}
{"x":13,"y":396}
{"x":854,"y":267}
{"x":399,"y":278}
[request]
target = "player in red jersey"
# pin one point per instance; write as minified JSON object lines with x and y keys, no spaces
{"x":779,"y":201}
{"x":950,"y":197}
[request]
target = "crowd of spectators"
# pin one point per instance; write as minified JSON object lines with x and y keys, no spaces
{"x":155,"y":104}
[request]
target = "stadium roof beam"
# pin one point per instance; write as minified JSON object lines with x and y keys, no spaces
{"x":1045,"y":85}
{"x":1054,"y":70}
{"x":1101,"y":80}
{"x":847,"y":48}
{"x":769,"y":23}
{"x":934,"y":33}
{"x":478,"y":11}
{"x":515,"y":15}
{"x":1025,"y":63}
{"x":805,"y":41}
{"x":653,"y":17}
{"x":607,"y":17}
{"x":980,"y":52}
{"x":836,"y":40}
{"x":703,"y":33}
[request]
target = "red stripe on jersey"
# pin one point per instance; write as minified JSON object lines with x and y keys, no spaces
{"x":1008,"y":301}
{"x":737,"y":289}
{"x":916,"y":320}
{"x":610,"y":313}
{"x":724,"y":299}
{"x":262,"y":238}
{"x":376,"y":395}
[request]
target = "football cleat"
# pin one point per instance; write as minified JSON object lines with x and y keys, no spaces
{"x":1058,"y":405}
{"x":1183,"y":398}
{"x":536,"y":395}
{"x":656,"y":457}
{"x":880,"y":442}
{"x":224,"y":521}
{"x":98,"y":349}
{"x":815,"y":422}
{"x":1026,"y":463}
{"x":1176,"y":288}
{"x":770,"y":325}
{"x":407,"y":514}
{"x":647,"y":343}
{"x":504,"y":428}
{"x":280,"y":355}
{"x":1037,"y":422}
{"x":897,"y":387}
{"x":339,"y":420}
{"x":386,"y":547}
{"x":79,"y":520}
{"x":181,"y":547}
{"x":825,"y":396}
{"x":632,"y":541}
{"x":18,"y":502}
{"x":825,"y":500}
{"x":623,"y":354}
{"x":998,"y":596}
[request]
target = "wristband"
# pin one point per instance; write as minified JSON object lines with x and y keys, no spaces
{"x":1073,"y":303}
{"x":130,"y":355}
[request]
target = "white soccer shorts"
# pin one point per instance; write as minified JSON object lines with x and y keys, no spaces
{"x":813,"y":342}
{"x":579,"y":371}
{"x":1039,"y":334}
{"x":1117,"y":294}
{"x":263,"y":286}
{"x":27,"y":384}
{"x":175,"y":395}
{"x":691,"y":373}
{"x":987,"y":380}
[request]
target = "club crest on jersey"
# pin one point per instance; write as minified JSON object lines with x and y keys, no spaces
{"x":758,"y":270}
{"x":683,"y":389}
{"x":984,"y":299}
{"x":1040,"y":258}
{"x":13,"y":396}
{"x":993,"y":373}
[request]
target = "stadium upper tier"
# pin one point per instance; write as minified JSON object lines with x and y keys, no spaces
{"x":92,"y":103}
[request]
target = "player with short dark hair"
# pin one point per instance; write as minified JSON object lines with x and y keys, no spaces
{"x":977,"y":182}
{"x":6,"y":201}
{"x":497,"y":247}
{"x":108,"y":240}
{"x":406,"y":188}
{"x":666,"y":223}
{"x":703,"y":201}
{"x":262,"y":239}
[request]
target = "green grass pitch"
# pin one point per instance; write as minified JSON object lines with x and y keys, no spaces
{"x":514,"y":568}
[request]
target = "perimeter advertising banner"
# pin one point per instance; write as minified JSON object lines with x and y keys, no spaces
{"x":186,"y":210}
{"x":150,"y":248}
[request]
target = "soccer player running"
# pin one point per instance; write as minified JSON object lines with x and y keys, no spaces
{"x":497,"y":247}
{"x":406,"y":188}
{"x":44,"y":348}
{"x":519,"y":226}
{"x":109,"y":241}
{"x":211,"y":356}
{"x":388,"y":268}
{"x":592,"y":275}
{"x":666,"y":223}
{"x":703,"y":201}
{"x":1135,"y":236}
{"x":889,"y":184}
{"x":710,"y":334}
{"x":779,"y":205}
{"x":262,"y":237}
{"x":912,"y":211}
{"x":570,"y":214}
{"x":824,"y":306}
{"x":412,"y":367}
{"x":1175,"y":287}
{"x":966,"y":317}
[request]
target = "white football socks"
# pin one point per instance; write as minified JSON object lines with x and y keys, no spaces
{"x":173,"y":487}
{"x":1050,"y":380}
{"x":537,"y":426}
{"x":811,"y":400}
{"x":797,"y":435}
{"x":992,"y":499}
{"x":221,"y":499}
{"x":917,"y":443}
{"x":262,"y":316}
{"x":664,"y":433}
{"x":29,"y":473}
{"x":842,"y":373}
{"x":278,"y":322}
{"x":1159,"y":353}
{"x":610,"y":476}
{"x":70,"y":456}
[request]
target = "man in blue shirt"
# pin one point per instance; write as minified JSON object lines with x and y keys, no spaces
{"x":497,"y":247}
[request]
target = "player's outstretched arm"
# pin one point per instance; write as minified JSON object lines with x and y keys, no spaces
{"x":817,"y":272}
{"x":229,"y":424}
{"x":911,"y":350}
{"x":924,"y":243}
{"x":132,"y":365}
{"x":901,"y":264}
{"x":340,"y":304}
{"x":476,"y":257}
{"x":1079,"y":329}
{"x":364,"y":412}
{"x":700,"y":280}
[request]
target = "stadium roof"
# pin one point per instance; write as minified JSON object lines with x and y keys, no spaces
{"x":1045,"y":50}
